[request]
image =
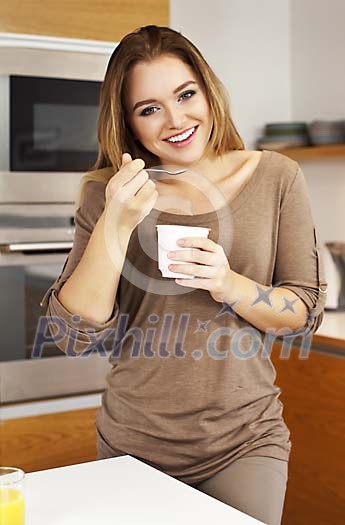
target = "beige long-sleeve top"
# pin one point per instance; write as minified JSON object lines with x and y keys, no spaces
{"x":192,"y":388}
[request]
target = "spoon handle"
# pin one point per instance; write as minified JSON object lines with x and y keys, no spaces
{"x":178,"y":172}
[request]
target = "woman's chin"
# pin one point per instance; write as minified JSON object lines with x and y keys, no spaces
{"x":183,"y":158}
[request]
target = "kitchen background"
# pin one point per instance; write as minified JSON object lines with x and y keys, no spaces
{"x":280,"y":62}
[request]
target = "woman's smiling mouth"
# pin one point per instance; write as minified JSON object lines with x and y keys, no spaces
{"x":183,"y":139}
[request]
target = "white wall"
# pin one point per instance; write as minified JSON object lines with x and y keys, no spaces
{"x":317,"y":46}
{"x":318,"y":87}
{"x":247,"y":45}
{"x":280,"y":61}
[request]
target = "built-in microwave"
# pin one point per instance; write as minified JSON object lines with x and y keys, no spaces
{"x":49,"y":98}
{"x":51,"y":125}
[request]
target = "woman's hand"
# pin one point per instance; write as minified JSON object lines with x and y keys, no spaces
{"x":211,"y":269}
{"x":130,"y":194}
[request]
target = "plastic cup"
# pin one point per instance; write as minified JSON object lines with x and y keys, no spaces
{"x":12,"y":507}
{"x":168,"y":235}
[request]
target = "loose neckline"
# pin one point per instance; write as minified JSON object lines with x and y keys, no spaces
{"x":234,"y":203}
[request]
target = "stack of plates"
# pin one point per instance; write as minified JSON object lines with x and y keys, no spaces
{"x":284,"y":135}
{"x":327,"y":132}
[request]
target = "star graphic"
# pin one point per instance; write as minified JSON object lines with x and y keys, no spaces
{"x":263,"y":296}
{"x":227,"y":309}
{"x":288,"y":305}
{"x":202,"y":326}
{"x":197,"y":354}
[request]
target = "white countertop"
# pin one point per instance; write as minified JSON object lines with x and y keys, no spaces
{"x":50,"y":406}
{"x":120,"y":491}
{"x":333,"y":325}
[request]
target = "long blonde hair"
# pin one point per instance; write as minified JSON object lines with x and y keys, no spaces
{"x":115,"y":136}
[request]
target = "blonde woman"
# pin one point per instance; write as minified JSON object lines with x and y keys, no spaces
{"x":191,"y":389}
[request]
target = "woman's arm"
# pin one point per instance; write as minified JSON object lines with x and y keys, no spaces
{"x":83,"y":297}
{"x":265,"y":307}
{"x":297,"y":296}
{"x":91,"y":289}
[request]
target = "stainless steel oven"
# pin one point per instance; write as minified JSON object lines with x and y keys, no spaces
{"x":48,"y":138}
{"x":36,"y":235}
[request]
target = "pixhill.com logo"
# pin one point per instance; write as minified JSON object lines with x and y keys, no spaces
{"x":159,"y":340}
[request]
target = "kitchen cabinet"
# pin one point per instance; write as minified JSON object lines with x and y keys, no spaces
{"x":96,"y":19}
{"x":313,"y":393}
{"x":50,"y":440}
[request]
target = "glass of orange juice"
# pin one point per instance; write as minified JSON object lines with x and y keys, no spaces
{"x":12,"y":510}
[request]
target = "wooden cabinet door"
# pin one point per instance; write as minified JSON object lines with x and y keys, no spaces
{"x":50,"y":440}
{"x":95,"y":19}
{"x":313,"y":394}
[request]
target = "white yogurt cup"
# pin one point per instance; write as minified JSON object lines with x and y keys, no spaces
{"x":168,"y":235}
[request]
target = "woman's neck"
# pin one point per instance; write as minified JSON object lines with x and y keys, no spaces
{"x":212,"y":168}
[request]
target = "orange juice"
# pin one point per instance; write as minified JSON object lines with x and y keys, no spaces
{"x":11,"y":507}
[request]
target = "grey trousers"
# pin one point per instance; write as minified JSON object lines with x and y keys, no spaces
{"x":254,"y":485}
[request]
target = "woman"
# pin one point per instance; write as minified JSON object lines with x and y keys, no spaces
{"x":212,"y":420}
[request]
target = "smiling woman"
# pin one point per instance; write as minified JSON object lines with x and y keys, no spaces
{"x":193,"y":391}
{"x":177,"y":90}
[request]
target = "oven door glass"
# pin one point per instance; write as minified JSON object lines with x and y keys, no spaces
{"x":50,"y":373}
{"x":53,"y":124}
{"x":22,"y":289}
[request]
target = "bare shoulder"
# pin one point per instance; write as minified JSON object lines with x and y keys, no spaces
{"x":241,"y":163}
{"x":240,"y":156}
{"x":277,"y":161}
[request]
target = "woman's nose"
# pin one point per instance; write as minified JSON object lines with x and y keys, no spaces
{"x":176,"y":119}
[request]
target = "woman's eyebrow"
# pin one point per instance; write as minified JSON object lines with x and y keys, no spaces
{"x":150,"y":101}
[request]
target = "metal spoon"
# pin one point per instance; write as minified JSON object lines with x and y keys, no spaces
{"x":159,"y":170}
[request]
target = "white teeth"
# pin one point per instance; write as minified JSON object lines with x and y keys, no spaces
{"x":184,"y":136}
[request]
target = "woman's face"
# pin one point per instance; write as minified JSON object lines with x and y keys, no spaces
{"x":164,"y":99}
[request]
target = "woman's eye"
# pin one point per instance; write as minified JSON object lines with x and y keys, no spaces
{"x":184,"y":95}
{"x":147,"y":111}
{"x":151,"y":109}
